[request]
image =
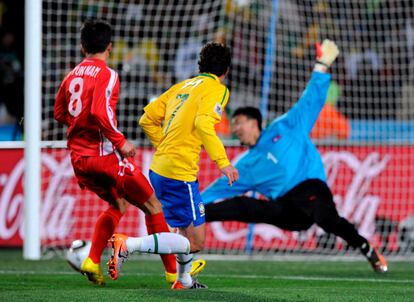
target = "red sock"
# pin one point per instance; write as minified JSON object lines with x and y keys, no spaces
{"x":104,"y":228}
{"x":156,"y":224}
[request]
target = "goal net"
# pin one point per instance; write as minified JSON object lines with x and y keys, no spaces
{"x":365,"y":134}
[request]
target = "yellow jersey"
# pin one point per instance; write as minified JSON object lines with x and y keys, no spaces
{"x":182,"y":120}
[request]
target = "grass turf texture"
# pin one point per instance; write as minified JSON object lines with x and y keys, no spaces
{"x":143,"y":280}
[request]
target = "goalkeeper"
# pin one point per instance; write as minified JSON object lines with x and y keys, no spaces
{"x":284,"y":165}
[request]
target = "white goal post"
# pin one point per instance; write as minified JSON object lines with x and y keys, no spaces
{"x":32,"y":129}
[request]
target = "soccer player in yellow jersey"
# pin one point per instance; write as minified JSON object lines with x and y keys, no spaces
{"x":178,"y":124}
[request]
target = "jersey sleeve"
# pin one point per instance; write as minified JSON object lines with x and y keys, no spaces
{"x":213,"y":103}
{"x":209,"y":112}
{"x":305,"y":113}
{"x":60,"y":112}
{"x":103,"y":110}
{"x":154,"y":115}
{"x":220,"y":189}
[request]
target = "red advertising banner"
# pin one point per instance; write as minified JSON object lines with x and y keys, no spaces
{"x":373,"y":187}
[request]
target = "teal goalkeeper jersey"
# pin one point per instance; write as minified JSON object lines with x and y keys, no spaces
{"x":284,"y":155}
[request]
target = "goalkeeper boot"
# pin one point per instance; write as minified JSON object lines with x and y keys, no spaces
{"x":377,"y":261}
{"x":196,"y":268}
{"x":177,"y":285}
{"x":119,"y":254}
{"x":92,"y":271}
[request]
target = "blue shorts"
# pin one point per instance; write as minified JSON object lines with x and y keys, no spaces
{"x":181,"y":200}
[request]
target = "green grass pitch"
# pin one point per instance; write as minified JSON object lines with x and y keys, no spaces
{"x":142,"y":280}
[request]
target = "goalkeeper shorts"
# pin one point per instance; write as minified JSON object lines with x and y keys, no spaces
{"x":181,"y":200}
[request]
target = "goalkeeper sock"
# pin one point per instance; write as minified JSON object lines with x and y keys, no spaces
{"x":184,"y":263}
{"x":156,"y":224}
{"x":365,"y":248}
{"x":159,"y":243}
{"x":104,"y":228}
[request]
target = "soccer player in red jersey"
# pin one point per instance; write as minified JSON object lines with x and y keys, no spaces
{"x":86,"y":103}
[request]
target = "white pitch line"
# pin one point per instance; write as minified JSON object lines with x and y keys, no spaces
{"x":301,"y":278}
{"x":309,"y":278}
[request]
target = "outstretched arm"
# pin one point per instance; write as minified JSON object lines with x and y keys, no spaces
{"x":219,"y":189}
{"x":306,"y":111}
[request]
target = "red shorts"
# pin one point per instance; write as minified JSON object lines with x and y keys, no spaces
{"x":112,"y":178}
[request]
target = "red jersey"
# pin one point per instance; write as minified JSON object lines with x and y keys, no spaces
{"x":86,"y":103}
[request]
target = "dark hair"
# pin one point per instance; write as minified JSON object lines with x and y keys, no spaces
{"x":250,"y":113}
{"x":214,"y":58}
{"x":95,"y":36}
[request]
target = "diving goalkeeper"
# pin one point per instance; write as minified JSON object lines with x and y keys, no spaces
{"x":285,"y":166}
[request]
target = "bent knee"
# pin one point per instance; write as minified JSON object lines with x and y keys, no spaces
{"x":152,"y":206}
{"x":121,"y":205}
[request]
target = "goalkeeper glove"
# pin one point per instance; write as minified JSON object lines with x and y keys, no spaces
{"x":325,"y":54}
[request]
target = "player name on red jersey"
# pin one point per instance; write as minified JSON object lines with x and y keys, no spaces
{"x":89,"y":70}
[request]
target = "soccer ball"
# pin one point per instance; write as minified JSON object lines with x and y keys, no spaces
{"x":77,"y":253}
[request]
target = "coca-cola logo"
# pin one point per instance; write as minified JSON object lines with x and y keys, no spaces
{"x":11,"y":205}
{"x":56,"y":206}
{"x":357,"y":204}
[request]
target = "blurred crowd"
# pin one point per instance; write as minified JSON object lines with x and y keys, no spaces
{"x":11,"y":72}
